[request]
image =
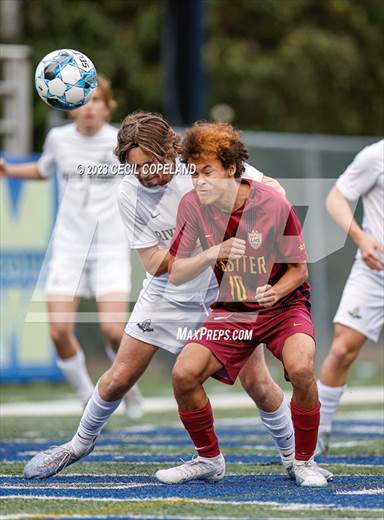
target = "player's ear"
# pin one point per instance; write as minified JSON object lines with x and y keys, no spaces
{"x":232,"y":170}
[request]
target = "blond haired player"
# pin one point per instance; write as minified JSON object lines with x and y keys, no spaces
{"x":90,"y":254}
{"x":360,"y":315}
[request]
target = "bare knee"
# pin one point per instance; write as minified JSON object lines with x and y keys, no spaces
{"x":115,"y":383}
{"x":345,"y":347}
{"x":61,"y":333}
{"x":301,"y":375}
{"x":183,"y":380}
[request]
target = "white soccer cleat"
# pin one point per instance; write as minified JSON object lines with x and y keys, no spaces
{"x":133,"y":403}
{"x":308,"y":474}
{"x":287,"y":462}
{"x":50,"y":462}
{"x":200,"y":468}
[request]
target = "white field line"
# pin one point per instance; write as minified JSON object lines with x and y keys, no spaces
{"x":166,"y":500}
{"x":362,"y":492}
{"x":357,"y":395}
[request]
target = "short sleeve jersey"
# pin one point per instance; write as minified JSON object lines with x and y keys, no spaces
{"x":88,"y":216}
{"x":364,"y":177}
{"x":272,"y":233}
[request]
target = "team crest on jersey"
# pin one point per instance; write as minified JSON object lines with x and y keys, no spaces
{"x":145,"y":326}
{"x":255,"y":239}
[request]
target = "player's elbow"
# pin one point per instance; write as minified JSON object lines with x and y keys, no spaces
{"x":302,"y":272}
{"x":332,"y":200}
{"x":173,"y":275}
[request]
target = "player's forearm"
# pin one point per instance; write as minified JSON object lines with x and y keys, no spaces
{"x":157,"y":264}
{"x":295,"y":275}
{"x":340,"y":210}
{"x":182,"y":270}
{"x":24,"y":171}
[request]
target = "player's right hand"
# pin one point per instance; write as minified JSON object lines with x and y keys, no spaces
{"x":229,"y":250}
{"x":372,"y":252}
{"x":3,"y":168}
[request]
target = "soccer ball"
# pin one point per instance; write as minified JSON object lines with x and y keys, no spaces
{"x":65,"y":79}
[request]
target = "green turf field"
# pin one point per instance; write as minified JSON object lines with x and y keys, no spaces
{"x":116,"y":480}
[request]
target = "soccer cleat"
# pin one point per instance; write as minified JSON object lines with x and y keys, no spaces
{"x":288,"y":461}
{"x":49,"y":462}
{"x":323,"y":439}
{"x":200,"y":468}
{"x":307,"y":474}
{"x":133,"y":403}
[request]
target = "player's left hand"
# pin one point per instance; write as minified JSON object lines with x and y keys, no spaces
{"x":266,"y":295}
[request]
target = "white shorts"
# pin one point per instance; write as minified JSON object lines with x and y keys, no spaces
{"x":164,"y":323}
{"x":70,"y":277}
{"x":362,"y":304}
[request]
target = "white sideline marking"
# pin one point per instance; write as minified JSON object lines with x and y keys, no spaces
{"x":362,"y":492}
{"x":357,"y":395}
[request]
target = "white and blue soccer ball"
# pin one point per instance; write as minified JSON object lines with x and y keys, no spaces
{"x":65,"y":79}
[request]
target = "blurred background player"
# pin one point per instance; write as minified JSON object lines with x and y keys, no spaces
{"x":148,"y":204}
{"x":90,"y":254}
{"x":360,"y":315}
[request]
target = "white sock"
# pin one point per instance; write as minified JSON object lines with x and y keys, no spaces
{"x":279,"y":424}
{"x":329,"y":397}
{"x":96,"y":414}
{"x":111,"y":354}
{"x":76,"y":373}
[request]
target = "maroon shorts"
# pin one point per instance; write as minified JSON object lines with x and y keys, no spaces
{"x":232,"y":337}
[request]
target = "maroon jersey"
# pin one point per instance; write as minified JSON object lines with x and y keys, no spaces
{"x":272,"y":232}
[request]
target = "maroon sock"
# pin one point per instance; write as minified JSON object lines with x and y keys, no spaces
{"x":199,"y":425}
{"x":306,"y":426}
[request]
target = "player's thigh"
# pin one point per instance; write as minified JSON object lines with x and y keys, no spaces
{"x":113,"y":312}
{"x":195,"y":362}
{"x":62,"y":314}
{"x":256,"y":364}
{"x":347,"y":340}
{"x":133,"y":357}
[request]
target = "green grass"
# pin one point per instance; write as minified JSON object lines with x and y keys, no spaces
{"x":61,"y":428}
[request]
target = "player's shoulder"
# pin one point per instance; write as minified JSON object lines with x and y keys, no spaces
{"x":264,"y":192}
{"x":60,"y":132}
{"x":110,"y":130}
{"x":373,"y":153}
{"x":268,"y":199}
{"x":127,"y":188}
{"x":252,"y":173}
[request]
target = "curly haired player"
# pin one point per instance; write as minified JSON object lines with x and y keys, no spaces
{"x":251,"y":238}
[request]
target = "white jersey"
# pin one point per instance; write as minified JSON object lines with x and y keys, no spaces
{"x":149,"y":216}
{"x":364,"y":178}
{"x":88,"y":220}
